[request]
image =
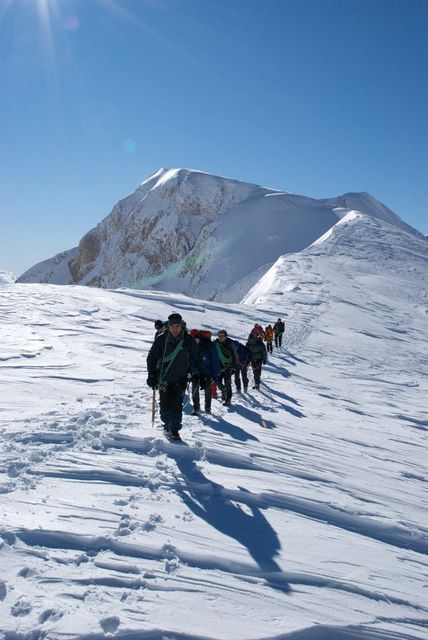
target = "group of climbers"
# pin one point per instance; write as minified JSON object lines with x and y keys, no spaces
{"x":269,"y":334}
{"x":178,"y":356}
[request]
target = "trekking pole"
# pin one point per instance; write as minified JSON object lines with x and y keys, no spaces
{"x":153,"y":406}
{"x":189,"y":395}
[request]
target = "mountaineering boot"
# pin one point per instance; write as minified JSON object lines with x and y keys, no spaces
{"x":174,"y":435}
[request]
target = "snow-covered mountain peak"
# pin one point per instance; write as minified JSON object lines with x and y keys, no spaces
{"x":200,"y":234}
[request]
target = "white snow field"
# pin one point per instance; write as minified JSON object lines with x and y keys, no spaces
{"x":300,"y":513}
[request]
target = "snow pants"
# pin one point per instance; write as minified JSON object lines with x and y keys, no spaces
{"x":224,"y":382}
{"x":171,"y":404}
{"x":241,"y":372}
{"x":257,"y":370}
{"x":196,"y":399}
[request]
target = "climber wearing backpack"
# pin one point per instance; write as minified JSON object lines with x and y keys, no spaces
{"x":269,"y":338}
{"x":278,"y":329}
{"x":160,"y":328}
{"x":258,"y":357}
{"x":206,"y":353}
{"x":202,"y":338}
{"x":241,"y":371}
{"x":225,"y":361}
{"x":257,"y":331}
{"x":169,"y":361}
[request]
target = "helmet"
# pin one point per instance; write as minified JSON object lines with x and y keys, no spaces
{"x":194,"y":333}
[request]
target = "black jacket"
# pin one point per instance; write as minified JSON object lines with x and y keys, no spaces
{"x":256,"y":349}
{"x":278,"y":328}
{"x":171,"y":371}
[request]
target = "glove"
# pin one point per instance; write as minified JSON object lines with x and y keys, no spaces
{"x":264,"y":361}
{"x":202,"y":381}
{"x":151,"y":381}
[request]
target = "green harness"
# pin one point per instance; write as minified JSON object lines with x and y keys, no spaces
{"x":168,"y":359}
{"x":224,"y":356}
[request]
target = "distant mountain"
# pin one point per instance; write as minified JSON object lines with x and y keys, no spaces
{"x":199,"y":234}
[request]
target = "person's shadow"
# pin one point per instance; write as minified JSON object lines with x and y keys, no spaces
{"x":223,"y":426}
{"x":254,"y":416}
{"x":253,"y":530}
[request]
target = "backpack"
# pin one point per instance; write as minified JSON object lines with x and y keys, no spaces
{"x":268,"y":334}
{"x":243,"y":354}
{"x":256,"y":348}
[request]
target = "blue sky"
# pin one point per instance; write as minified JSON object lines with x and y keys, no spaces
{"x":317,"y":97}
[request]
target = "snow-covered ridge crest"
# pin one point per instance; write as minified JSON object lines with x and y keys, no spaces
{"x":358,"y":246}
{"x":348,"y":217}
{"x":200,"y":234}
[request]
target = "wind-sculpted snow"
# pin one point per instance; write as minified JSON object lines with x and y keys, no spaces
{"x":298,"y":514}
{"x":200,"y":234}
{"x":6,"y":277}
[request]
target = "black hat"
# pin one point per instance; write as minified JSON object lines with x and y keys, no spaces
{"x":158,"y":324}
{"x":175,"y":318}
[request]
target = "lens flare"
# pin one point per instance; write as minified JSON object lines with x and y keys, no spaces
{"x":71,"y":22}
{"x":129,"y":145}
{"x":120,"y":11}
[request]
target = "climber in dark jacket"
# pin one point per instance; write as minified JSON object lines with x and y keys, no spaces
{"x":241,"y":371}
{"x":169,"y":362}
{"x":202,"y":338}
{"x":278,"y":329}
{"x":258,"y":357}
{"x":225,"y":360}
{"x":160,"y":328}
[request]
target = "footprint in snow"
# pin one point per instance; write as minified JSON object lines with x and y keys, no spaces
{"x":110,"y":624}
{"x":152,"y":522}
{"x":51,"y":615}
{"x":22,"y":607}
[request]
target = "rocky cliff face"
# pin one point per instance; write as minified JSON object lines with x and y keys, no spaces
{"x":198,"y":234}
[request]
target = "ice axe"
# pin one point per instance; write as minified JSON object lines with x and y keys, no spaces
{"x":153,"y":406}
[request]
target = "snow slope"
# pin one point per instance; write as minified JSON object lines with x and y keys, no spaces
{"x":6,"y":277}
{"x":299,"y":514}
{"x":199,"y":234}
